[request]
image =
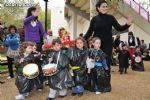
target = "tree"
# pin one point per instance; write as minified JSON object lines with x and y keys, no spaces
{"x":11,"y":15}
{"x":15,"y":15}
{"x":42,"y":18}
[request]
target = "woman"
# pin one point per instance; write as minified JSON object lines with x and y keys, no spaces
{"x":131,"y":44}
{"x":131,"y":40}
{"x":12,"y":48}
{"x":34,"y":31}
{"x":101,"y":25}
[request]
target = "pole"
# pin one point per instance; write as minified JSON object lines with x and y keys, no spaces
{"x":46,"y":2}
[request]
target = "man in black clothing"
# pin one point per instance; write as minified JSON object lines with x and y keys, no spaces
{"x":101,"y":25}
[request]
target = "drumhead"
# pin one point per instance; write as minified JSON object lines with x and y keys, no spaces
{"x":49,"y":66}
{"x":138,"y":59}
{"x":30,"y":69}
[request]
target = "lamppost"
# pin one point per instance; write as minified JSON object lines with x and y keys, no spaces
{"x":46,"y":2}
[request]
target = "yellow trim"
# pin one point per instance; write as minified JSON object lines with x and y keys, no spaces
{"x":75,"y":67}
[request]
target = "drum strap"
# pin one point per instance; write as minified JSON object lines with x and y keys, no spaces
{"x":58,"y":57}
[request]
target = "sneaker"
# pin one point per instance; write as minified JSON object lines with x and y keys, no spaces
{"x":9,"y":77}
{"x":98,"y":93}
{"x":2,"y":82}
{"x":39,"y":90}
{"x":26,"y":94}
{"x":19,"y":97}
{"x":46,"y":83}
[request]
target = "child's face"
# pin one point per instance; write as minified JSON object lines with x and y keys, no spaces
{"x":63,"y":32}
{"x":137,"y":49}
{"x":125,"y":47}
{"x":79,"y":44}
{"x":49,"y":33}
{"x":29,"y":49}
{"x":12,"y":30}
{"x":97,"y":44}
{"x":57,"y":47}
{"x":34,"y":48}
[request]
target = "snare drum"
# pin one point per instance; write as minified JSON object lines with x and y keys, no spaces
{"x":49,"y":69}
{"x":138,"y":59}
{"x":31,"y":71}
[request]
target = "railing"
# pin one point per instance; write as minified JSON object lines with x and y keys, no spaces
{"x":140,"y":10}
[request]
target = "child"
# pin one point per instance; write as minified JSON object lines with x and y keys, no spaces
{"x":98,"y":73}
{"x":62,"y":79}
{"x":123,"y":59}
{"x":137,"y":62}
{"x":23,"y":84}
{"x":49,"y":37}
{"x":78,"y":62}
{"x":48,"y":40}
{"x":12,"y":42}
{"x":90,"y":42}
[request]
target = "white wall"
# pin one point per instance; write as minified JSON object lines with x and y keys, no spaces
{"x":57,"y":19}
{"x":82,"y":26}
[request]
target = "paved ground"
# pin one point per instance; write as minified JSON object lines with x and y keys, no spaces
{"x":133,"y":86}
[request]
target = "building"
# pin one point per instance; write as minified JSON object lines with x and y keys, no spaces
{"x":79,"y":12}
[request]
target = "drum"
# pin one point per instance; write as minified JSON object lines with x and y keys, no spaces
{"x":31,"y":71}
{"x":47,"y":46}
{"x":49,"y":69}
{"x":138,"y":59}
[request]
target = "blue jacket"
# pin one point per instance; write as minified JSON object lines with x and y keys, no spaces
{"x":12,"y":41}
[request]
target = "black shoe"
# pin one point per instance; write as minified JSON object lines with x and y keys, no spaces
{"x":2,"y":82}
{"x":80,"y":94}
{"x":62,"y":96}
{"x":49,"y":98}
{"x":74,"y":94}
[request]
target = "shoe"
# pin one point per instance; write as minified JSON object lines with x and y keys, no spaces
{"x":62,"y":96}
{"x":19,"y":97}
{"x":74,"y":94}
{"x":39,"y":90}
{"x":80,"y":94}
{"x":2,"y":82}
{"x":46,"y":83}
{"x":98,"y":93}
{"x":49,"y":98}
{"x":9,"y":77}
{"x":26,"y":95}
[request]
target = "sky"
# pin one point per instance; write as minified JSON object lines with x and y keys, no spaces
{"x":51,"y":3}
